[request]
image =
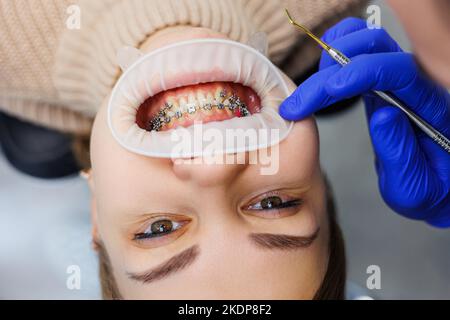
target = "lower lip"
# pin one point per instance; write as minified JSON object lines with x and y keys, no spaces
{"x":150,"y":107}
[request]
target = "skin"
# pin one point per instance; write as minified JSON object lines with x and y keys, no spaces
{"x":428,"y":26}
{"x":129,"y":190}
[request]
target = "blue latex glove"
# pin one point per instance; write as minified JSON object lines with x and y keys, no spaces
{"x":413,"y":171}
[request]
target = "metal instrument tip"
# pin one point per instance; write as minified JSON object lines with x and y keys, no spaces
{"x":307,"y":31}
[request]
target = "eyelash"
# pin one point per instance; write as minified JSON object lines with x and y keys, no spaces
{"x":149,"y":235}
{"x":284,"y":208}
{"x":283,"y":205}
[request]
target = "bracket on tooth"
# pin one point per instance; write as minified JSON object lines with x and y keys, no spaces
{"x":178,"y":114}
{"x":154,"y":124}
{"x":164,"y":116}
{"x":244,"y":111}
{"x":191,"y":109}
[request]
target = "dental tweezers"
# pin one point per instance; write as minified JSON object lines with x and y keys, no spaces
{"x":343,"y":60}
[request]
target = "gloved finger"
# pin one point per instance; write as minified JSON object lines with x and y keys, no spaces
{"x":397,"y":73}
{"x":344,"y":27}
{"x":337,"y":83}
{"x":372,"y":103}
{"x":404,"y":175}
{"x":361,"y":42}
{"x":309,"y":97}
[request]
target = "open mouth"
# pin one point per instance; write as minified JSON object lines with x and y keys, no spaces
{"x":204,"y":102}
{"x":203,"y":81}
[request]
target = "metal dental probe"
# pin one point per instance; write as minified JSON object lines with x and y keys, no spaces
{"x":343,"y":60}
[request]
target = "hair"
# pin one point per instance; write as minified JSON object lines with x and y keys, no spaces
{"x":333,"y":283}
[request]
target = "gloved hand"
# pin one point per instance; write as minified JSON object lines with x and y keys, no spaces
{"x":413,"y":171}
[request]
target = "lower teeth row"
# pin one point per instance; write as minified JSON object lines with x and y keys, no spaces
{"x":165,"y":115}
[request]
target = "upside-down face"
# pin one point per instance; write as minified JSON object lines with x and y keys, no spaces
{"x":184,"y":230}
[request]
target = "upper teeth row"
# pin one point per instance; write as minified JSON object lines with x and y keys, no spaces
{"x":168,"y":112}
{"x":186,"y":105}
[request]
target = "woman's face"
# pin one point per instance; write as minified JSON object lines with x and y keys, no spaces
{"x":219,"y":231}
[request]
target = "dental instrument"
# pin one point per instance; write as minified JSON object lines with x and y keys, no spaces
{"x":343,"y":60}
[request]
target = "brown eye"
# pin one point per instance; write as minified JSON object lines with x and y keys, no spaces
{"x":271,"y":202}
{"x":274,"y":202}
{"x":273,"y":205}
{"x":159,"y":228}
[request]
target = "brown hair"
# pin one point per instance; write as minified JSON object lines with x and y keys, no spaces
{"x":333,"y":284}
{"x":332,"y":287}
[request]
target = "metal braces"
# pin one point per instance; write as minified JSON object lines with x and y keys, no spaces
{"x":165,"y":115}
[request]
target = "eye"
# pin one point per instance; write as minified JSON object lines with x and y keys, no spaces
{"x":273,"y":205}
{"x":161,"y":227}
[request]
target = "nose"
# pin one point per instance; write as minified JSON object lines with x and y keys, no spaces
{"x":208,"y":172}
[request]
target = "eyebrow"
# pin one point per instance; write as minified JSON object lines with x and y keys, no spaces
{"x":188,"y":256}
{"x":171,"y":266}
{"x":282,"y":241}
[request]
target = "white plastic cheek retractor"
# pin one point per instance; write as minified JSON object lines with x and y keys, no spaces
{"x":194,"y":62}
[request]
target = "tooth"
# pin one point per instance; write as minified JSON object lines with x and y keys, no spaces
{"x":178,"y":114}
{"x":228,"y":111}
{"x":192,"y":104}
{"x":191,"y":99}
{"x":168,"y":106}
{"x":245,"y":112}
{"x":171,"y":104}
{"x":182,"y":105}
{"x":191,"y":108}
{"x":234,"y":102}
{"x":226,"y":102}
{"x":208,"y":102}
{"x":203,"y":104}
{"x":170,"y":100}
{"x":209,"y":98}
{"x":201,"y":98}
{"x":219,"y":94}
{"x":223,"y":94}
{"x":155,"y":124}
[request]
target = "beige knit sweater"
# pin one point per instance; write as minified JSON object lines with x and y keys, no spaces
{"x":56,"y":69}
